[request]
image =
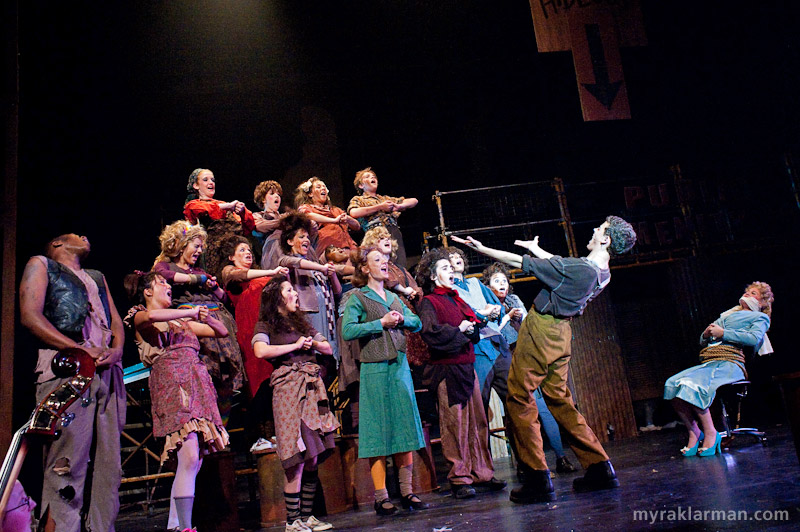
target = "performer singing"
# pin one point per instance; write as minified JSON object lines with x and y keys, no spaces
{"x":389,"y":421}
{"x":220,"y":218}
{"x":450,"y":328}
{"x":312,"y":200}
{"x":541,"y":358}
{"x":372,"y":209}
{"x":400,"y":280}
{"x":316,"y":284}
{"x":184,"y":402}
{"x":65,"y":305}
{"x":738,"y":331}
{"x":492,"y":355}
{"x":243,"y":284}
{"x":267,"y":195}
{"x":181,"y":247}
{"x":304,"y":424}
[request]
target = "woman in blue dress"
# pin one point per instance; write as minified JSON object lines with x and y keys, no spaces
{"x":738,"y":331}
{"x":389,"y":421}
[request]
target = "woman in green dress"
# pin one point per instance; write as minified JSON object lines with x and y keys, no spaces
{"x":389,"y":421}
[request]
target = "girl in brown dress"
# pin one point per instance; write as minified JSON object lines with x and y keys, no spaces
{"x":184,"y":402}
{"x":304,"y":424}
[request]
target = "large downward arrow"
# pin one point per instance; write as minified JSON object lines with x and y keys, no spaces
{"x":602,"y":89}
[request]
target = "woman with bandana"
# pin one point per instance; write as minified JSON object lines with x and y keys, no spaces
{"x":737,"y":332}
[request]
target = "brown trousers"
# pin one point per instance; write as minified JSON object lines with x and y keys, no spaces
{"x":541,"y":360}
{"x":465,"y":438}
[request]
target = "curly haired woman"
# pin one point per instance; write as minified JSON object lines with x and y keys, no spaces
{"x":311,"y":198}
{"x":737,"y":332}
{"x":181,"y":246}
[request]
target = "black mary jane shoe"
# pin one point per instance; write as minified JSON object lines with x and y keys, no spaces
{"x":385,"y":507}
{"x":412,"y":502}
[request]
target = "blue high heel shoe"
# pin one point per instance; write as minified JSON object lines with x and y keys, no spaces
{"x":692,"y":451}
{"x":714,"y":449}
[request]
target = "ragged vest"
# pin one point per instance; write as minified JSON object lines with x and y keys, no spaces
{"x":66,"y":303}
{"x":383,"y":346}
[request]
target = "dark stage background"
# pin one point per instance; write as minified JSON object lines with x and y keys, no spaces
{"x":118,"y":103}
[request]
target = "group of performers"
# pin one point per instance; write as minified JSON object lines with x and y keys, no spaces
{"x":317,"y":301}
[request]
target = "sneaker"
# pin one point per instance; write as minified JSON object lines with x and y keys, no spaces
{"x":297,"y":526}
{"x":261,"y":445}
{"x":316,"y":525}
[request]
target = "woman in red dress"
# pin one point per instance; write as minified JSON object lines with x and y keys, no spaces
{"x":244,"y":285}
{"x":221,"y":219}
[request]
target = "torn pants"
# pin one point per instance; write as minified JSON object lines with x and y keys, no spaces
{"x":77,"y":475}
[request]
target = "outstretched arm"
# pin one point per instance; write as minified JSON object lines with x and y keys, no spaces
{"x":533,"y":247}
{"x":512,"y":259}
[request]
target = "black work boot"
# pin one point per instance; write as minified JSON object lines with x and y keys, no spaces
{"x":536,"y":487}
{"x":599,"y":476}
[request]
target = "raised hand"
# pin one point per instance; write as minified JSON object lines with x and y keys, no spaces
{"x":469,"y":242}
{"x":528,"y":244}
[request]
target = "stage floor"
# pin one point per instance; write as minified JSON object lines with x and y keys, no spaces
{"x":660,"y":490}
